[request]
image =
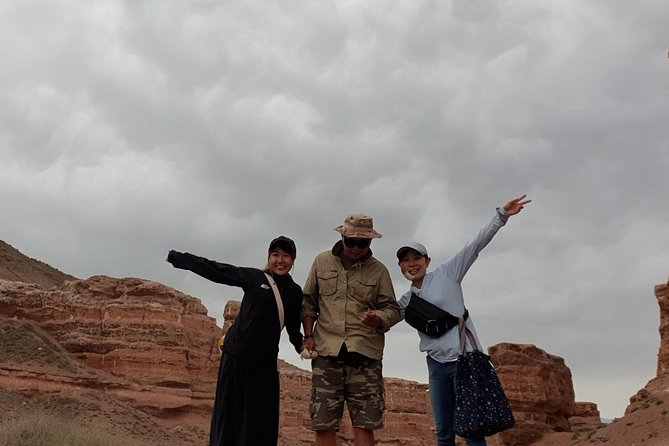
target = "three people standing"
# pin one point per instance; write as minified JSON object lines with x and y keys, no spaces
{"x":347,"y":305}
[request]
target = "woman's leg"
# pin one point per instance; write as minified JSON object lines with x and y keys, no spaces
{"x":442,"y":385}
{"x":468,"y":441}
{"x":223,"y":421}
{"x":258,"y":403}
{"x":246,"y":409}
{"x":442,"y":395}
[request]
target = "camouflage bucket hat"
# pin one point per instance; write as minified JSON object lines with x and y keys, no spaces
{"x":358,"y":226}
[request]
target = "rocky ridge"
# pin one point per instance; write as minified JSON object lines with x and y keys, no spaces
{"x":18,"y":267}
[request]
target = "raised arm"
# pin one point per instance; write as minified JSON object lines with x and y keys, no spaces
{"x":209,"y":269}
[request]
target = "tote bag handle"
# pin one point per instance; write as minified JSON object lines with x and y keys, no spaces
{"x":466,"y":334}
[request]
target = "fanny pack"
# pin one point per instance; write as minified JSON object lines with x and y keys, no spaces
{"x":429,"y":318}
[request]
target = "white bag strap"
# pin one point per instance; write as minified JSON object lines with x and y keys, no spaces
{"x":277,"y":296}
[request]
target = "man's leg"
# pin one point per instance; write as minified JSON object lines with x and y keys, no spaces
{"x":363,"y":437}
{"x":327,"y":399}
{"x":326,"y":438}
{"x":364,"y":398}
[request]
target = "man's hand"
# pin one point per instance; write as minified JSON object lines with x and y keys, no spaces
{"x":371,"y":319}
{"x":516,"y":205}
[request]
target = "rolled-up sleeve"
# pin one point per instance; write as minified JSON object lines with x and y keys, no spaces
{"x":387,"y":307}
{"x":310,"y":292}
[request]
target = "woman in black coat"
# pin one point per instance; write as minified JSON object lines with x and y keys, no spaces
{"x":246,"y":408}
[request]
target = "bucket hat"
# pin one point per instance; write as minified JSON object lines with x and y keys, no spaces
{"x":358,"y":226}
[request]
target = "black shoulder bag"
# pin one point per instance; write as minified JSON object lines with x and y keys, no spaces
{"x":429,"y":318}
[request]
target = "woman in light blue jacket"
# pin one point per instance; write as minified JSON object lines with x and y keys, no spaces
{"x":442,"y":287}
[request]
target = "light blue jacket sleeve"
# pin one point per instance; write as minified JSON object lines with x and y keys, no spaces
{"x":457,"y":266}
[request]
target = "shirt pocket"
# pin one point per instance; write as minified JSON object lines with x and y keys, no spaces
{"x":327,"y":283}
{"x":364,"y":291}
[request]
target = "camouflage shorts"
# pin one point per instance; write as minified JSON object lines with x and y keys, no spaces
{"x":334,"y":383}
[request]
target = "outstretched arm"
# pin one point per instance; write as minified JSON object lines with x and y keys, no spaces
{"x":457,"y":266}
{"x":209,"y":269}
{"x":516,"y":205}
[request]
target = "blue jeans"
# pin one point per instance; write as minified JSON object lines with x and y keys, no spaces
{"x":442,"y":394}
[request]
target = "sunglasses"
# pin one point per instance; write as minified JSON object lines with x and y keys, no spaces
{"x":357,"y":242}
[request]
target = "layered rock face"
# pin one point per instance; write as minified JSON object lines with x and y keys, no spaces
{"x":160,"y":340}
{"x":658,"y":387}
{"x":586,"y":416}
{"x":539,"y":388}
{"x":662,"y":295}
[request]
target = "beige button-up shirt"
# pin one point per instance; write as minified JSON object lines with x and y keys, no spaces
{"x":338,"y":298}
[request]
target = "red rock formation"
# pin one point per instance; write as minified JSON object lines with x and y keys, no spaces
{"x":539,"y":388}
{"x":158,"y":339}
{"x":586,"y":416}
{"x":662,"y":295}
{"x":658,"y":387}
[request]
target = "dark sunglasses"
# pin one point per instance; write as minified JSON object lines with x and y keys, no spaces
{"x":357,"y":242}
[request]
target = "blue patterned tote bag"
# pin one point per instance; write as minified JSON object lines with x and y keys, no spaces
{"x":481,"y":407}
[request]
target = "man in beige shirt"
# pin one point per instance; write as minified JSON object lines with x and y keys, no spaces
{"x":349,"y":304}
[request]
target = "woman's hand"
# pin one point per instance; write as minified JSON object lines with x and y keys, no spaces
{"x":516,"y":205}
{"x":308,"y":351}
{"x":308,"y":343}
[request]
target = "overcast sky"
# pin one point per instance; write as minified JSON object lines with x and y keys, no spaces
{"x":129,"y":128}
